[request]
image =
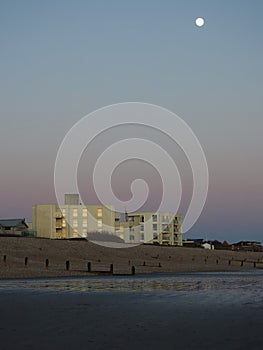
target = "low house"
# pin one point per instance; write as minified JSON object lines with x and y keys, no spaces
{"x":12,"y":227}
{"x":193,"y":243}
{"x":248,"y":246}
{"x":208,"y":245}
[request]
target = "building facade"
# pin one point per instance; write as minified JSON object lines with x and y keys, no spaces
{"x":150,"y":227}
{"x":72,"y":220}
{"x":13,"y":227}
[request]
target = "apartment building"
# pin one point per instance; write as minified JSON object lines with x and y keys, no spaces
{"x":72,"y":220}
{"x":150,"y":227}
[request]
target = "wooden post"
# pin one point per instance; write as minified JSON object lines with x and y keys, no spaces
{"x":159,"y":265}
{"x":111,"y":268}
{"x":67,"y":265}
{"x":217,"y":261}
{"x":89,"y":267}
{"x":144,"y":263}
{"x":5,"y":259}
{"x":26,"y":260}
{"x":229,"y":262}
{"x":255,"y":264}
{"x":47,"y":263}
{"x":133,"y":270}
{"x":242,"y":263}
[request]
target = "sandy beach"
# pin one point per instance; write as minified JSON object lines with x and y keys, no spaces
{"x":26,"y":257}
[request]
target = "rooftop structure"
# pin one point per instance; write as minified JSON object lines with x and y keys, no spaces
{"x":12,"y":227}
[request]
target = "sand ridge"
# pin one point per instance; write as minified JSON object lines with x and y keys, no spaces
{"x":26,"y":258}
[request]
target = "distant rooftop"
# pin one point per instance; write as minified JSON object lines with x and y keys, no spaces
{"x":12,"y":222}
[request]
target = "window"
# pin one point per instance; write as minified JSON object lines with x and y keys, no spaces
{"x":75,"y":232}
{"x":154,"y":218}
{"x":99,"y":212}
{"x":154,"y":227}
{"x":142,"y":218}
{"x":75,"y":212}
{"x":63,"y":223}
{"x":165,"y":227}
{"x":85,"y":223}
{"x":165,"y":218}
{"x":85,"y":212}
{"x":75,"y":223}
{"x":131,"y":229}
{"x":84,"y":233}
{"x":99,"y":223}
{"x":132,"y":237}
{"x":142,"y":228}
{"x":63,"y":212}
{"x":142,"y":236}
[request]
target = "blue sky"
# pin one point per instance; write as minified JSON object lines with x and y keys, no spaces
{"x":61,"y":60}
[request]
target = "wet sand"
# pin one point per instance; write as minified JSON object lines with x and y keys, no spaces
{"x":127,"y":320}
{"x":145,"y":258}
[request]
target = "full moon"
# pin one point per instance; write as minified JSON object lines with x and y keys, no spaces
{"x":200,"y":22}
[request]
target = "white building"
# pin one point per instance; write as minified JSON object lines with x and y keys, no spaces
{"x":150,"y":227}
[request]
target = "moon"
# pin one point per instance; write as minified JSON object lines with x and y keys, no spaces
{"x":199,"y":22}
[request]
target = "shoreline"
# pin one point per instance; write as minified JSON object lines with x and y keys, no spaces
{"x":142,"y":275}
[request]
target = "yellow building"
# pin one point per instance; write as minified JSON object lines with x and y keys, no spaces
{"x":72,"y":220}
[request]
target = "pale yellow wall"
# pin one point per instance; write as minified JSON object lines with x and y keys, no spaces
{"x":43,"y":220}
{"x":47,"y":226}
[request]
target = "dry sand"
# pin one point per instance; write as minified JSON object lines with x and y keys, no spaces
{"x":145,"y":258}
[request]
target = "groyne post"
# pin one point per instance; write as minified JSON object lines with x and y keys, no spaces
{"x":67,"y":265}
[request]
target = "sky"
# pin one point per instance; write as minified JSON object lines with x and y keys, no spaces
{"x":61,"y":60}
